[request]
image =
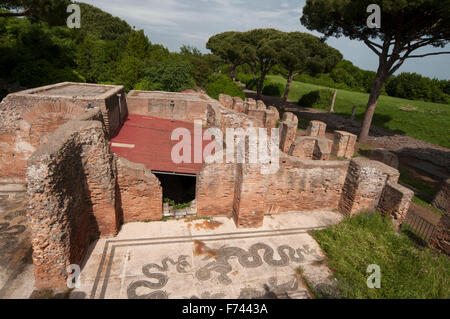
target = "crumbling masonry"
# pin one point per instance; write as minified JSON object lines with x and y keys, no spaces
{"x":57,"y":139}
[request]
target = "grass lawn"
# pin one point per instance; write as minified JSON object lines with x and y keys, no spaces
{"x":423,"y":120}
{"x":407,"y":270}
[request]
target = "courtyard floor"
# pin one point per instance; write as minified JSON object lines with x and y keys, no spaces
{"x":208,"y":259}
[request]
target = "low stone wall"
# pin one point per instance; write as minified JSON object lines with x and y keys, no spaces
{"x":384,"y":156}
{"x":73,"y":198}
{"x":187,"y":107}
{"x":305,"y":185}
{"x":140,"y":192}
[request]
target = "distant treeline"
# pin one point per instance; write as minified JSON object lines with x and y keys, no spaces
{"x":411,"y":86}
{"x":107,"y":50}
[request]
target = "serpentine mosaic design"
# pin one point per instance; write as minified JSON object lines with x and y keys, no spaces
{"x":220,"y":266}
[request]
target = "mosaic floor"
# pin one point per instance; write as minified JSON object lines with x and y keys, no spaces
{"x":15,"y":246}
{"x":207,"y":259}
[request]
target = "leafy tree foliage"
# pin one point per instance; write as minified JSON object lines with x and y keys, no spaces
{"x":302,"y":52}
{"x":221,"y":84}
{"x":416,"y":87}
{"x":406,"y":27}
{"x":228,"y":46}
{"x":51,"y":11}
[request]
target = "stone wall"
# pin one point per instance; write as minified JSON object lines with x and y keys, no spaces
{"x":395,"y":201}
{"x":441,"y":235}
{"x":384,"y":156}
{"x":187,"y":107}
{"x":364,"y":185}
{"x":73,"y":198}
{"x":140,"y":191}
{"x":305,"y":185}
{"x":215,"y":190}
{"x":442,"y":199}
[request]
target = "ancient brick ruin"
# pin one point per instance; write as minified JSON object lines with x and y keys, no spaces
{"x":57,"y":138}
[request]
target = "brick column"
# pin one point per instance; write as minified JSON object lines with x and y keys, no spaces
{"x":344,"y":144}
{"x":226,"y":101}
{"x":364,"y":185}
{"x":316,"y":128}
{"x":395,"y":201}
{"x":238,"y":104}
{"x":288,"y":131}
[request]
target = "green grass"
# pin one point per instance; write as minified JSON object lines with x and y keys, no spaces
{"x":427,"y":191}
{"x":423,"y":120}
{"x":423,"y":203}
{"x":407,"y":270}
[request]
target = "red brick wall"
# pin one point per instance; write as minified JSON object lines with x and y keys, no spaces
{"x":72,"y":199}
{"x":140,"y":191}
{"x":215,"y":190}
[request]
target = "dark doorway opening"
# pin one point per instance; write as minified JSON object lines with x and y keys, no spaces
{"x":178,"y":188}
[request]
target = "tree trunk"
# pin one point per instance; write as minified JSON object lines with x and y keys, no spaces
{"x":381,"y":77}
{"x":288,"y":85}
{"x":233,"y":70}
{"x":260,"y":86}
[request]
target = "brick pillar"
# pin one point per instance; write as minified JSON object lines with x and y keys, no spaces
{"x":260,"y":105}
{"x":250,"y":193}
{"x":364,"y":185}
{"x":288,"y":131}
{"x":226,"y":101}
{"x":259,"y":114}
{"x":344,"y":144}
{"x":238,"y":104}
{"x":395,"y":201}
{"x":316,"y":128}
{"x":101,"y":184}
{"x":250,"y":104}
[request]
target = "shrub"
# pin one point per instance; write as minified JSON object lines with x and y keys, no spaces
{"x":171,"y":76}
{"x":274,"y":89}
{"x":320,"y":99}
{"x":222,"y":84}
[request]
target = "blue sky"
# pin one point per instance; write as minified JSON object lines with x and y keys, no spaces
{"x":173,"y":23}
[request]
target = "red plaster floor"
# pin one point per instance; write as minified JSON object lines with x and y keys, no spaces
{"x":148,"y":141}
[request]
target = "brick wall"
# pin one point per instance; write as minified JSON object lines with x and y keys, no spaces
{"x":188,"y":107}
{"x":29,"y":117}
{"x":442,"y":199}
{"x":215,"y":190}
{"x":441,"y":235}
{"x":395,"y":201}
{"x":72,"y":198}
{"x":304,"y":185}
{"x":364,"y":185}
{"x":140,"y":191}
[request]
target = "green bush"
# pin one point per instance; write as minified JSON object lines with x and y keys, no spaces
{"x":274,"y":89}
{"x":320,"y":99}
{"x":222,"y":84}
